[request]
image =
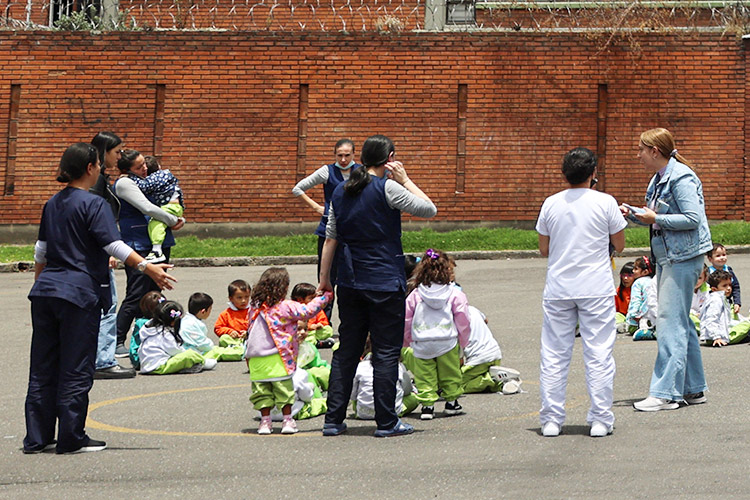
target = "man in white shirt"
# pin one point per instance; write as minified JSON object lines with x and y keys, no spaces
{"x":576,"y":229}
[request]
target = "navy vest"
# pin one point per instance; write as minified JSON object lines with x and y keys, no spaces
{"x":334,"y":179}
{"x":369,"y":236}
{"x":134,"y":227}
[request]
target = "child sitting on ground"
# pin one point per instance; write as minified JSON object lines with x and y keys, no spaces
{"x":641,"y":317}
{"x":363,"y":399}
{"x":700,"y":294}
{"x":163,"y":190}
{"x":717,"y":326}
{"x":161,"y":351}
{"x":319,"y":328}
{"x":195,"y":334}
{"x":481,"y":370}
{"x":309,"y":401}
{"x":231,"y":325}
{"x":717,"y":256}
{"x":437,"y":325}
{"x":622,"y":296}
{"x":272,"y":345}
{"x":147,"y":305}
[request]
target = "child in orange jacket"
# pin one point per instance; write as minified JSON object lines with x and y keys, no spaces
{"x":231,"y":325}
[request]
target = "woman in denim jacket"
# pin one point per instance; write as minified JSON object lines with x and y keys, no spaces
{"x":679,"y":239}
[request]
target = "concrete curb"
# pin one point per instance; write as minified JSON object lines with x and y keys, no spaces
{"x":14,"y":267}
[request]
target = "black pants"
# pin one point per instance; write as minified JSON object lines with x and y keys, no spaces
{"x":138,"y":285}
{"x":63,"y":354}
{"x":381,"y":314}
{"x":328,"y":309}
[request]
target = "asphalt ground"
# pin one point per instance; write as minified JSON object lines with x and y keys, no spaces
{"x":193,"y":436}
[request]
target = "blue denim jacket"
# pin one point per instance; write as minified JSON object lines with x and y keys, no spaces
{"x":680,"y":212}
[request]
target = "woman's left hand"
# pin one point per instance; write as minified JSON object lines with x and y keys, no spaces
{"x":647,"y":217}
{"x":158,"y":273}
{"x":397,"y":172}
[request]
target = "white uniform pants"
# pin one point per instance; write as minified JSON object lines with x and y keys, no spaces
{"x":596,"y":319}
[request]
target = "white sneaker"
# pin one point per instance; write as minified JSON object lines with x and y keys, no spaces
{"x":289,"y":426}
{"x":512,"y":386}
{"x":599,"y":429}
{"x":655,"y":404}
{"x":503,"y":374}
{"x":209,"y":364}
{"x":550,"y":429}
{"x":265,"y":426}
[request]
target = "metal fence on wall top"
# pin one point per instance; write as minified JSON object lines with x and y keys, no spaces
{"x":374,"y":15}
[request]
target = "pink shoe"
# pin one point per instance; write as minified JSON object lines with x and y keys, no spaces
{"x":265,"y":425}
{"x":289,"y":426}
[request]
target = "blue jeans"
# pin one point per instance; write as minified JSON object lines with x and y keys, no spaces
{"x":105,"y":347}
{"x":678,"y":370}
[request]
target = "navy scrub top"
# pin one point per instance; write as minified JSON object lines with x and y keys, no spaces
{"x":76,"y":225}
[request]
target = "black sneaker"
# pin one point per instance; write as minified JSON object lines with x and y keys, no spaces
{"x":428,"y":412}
{"x":91,"y":445}
{"x":48,"y":447}
{"x":114,"y":372}
{"x":326,"y":344}
{"x":453,"y":408}
{"x":155,"y":257}
{"x":696,"y":399}
{"x":121,"y":351}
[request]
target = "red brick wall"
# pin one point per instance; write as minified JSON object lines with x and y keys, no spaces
{"x":232,"y":102}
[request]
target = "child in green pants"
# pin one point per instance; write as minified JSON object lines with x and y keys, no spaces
{"x":437,"y":325}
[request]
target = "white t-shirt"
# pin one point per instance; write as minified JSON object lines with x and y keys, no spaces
{"x":579,"y":222}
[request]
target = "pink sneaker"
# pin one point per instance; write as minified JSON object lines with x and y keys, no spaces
{"x":289,"y":426}
{"x":265,"y":426}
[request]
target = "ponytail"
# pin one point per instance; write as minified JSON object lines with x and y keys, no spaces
{"x":358,"y":180}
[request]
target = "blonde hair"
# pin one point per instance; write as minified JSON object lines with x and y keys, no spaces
{"x":662,"y":139}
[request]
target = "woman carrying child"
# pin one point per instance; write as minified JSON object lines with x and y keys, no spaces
{"x":77,"y":234}
{"x":134,"y":210}
{"x":680,"y":238}
{"x":437,"y":326}
{"x":273,"y":345}
{"x":161,"y":351}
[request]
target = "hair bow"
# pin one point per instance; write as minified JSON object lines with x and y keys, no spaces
{"x":174,"y":313}
{"x":432,"y":254}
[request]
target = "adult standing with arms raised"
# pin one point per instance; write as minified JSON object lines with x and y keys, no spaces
{"x":134,"y":212}
{"x":680,"y":237}
{"x":330,"y":176}
{"x":364,"y":219}
{"x":71,"y":288}
{"x":576,"y":228}
{"x":109,"y":147}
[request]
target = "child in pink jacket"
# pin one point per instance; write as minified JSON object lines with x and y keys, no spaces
{"x":437,"y":323}
{"x":273,"y":344}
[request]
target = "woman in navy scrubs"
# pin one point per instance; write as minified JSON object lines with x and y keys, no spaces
{"x":364,"y":219}
{"x":77,"y":234}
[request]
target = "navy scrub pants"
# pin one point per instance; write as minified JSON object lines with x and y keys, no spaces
{"x":138,"y":285}
{"x":381,"y":314}
{"x":63,"y":354}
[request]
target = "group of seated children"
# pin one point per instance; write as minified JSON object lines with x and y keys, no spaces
{"x":278,"y":338}
{"x":635,"y":300}
{"x":714,"y":310}
{"x":439,"y":323}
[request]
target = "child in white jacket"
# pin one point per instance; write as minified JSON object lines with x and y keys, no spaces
{"x":718,"y":326}
{"x":437,"y":325}
{"x":161,"y":351}
{"x":641,"y":317}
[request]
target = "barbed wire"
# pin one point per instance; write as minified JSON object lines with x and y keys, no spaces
{"x":374,"y":15}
